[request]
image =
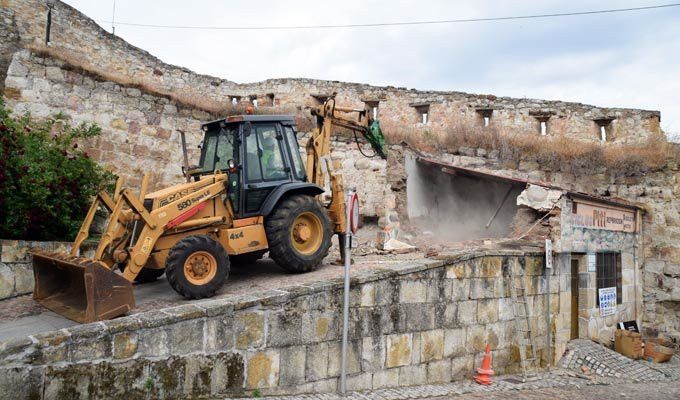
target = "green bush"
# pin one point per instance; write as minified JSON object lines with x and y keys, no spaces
{"x":46,"y":182}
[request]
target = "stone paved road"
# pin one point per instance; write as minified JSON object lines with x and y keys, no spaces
{"x":633,"y":391}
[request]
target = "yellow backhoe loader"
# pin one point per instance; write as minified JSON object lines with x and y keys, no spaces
{"x":250,"y":194}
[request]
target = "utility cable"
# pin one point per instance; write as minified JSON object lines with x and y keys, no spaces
{"x":398,"y":23}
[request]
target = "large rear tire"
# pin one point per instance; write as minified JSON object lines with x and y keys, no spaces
{"x":299,"y":234}
{"x":197,"y":267}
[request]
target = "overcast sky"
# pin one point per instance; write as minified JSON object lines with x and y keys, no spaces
{"x":610,"y":60}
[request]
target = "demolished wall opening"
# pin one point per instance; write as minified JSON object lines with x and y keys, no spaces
{"x":458,"y":206}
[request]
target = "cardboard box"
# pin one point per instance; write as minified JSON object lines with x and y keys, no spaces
{"x":628,"y":343}
{"x":658,"y":350}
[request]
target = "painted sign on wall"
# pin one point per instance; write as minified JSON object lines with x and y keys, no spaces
{"x":601,"y":217}
{"x":607,"y":301}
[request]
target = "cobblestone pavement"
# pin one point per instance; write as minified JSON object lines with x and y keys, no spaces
{"x":607,"y":375}
{"x":637,"y":391}
{"x":558,"y":384}
{"x":607,"y":363}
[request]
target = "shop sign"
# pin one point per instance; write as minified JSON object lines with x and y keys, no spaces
{"x":607,"y":301}
{"x":608,"y":218}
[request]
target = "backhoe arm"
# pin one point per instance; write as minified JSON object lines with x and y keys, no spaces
{"x":319,"y":163}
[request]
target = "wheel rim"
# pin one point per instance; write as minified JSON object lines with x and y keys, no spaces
{"x":200,"y":268}
{"x":306,"y":233}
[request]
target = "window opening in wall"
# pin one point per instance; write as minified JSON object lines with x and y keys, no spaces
{"x":234,"y":100}
{"x":372,"y":108}
{"x":423,"y":113}
{"x":604,"y":129}
{"x":255,"y":103}
{"x":608,"y":266}
{"x":485,"y":113}
{"x":270,"y":98}
{"x":544,"y":128}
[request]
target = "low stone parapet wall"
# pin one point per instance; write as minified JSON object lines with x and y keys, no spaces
{"x":16,"y":271}
{"x":417,"y":322}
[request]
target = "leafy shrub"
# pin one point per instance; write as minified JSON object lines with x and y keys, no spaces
{"x":46,"y":181}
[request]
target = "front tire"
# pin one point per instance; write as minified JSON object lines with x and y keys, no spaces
{"x":299,"y":234}
{"x":197,"y":267}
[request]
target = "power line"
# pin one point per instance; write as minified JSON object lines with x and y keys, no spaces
{"x":401,"y":23}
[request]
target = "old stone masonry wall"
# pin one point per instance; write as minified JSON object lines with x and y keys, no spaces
{"x":656,"y":260}
{"x":75,"y":36}
{"x":419,"y":322}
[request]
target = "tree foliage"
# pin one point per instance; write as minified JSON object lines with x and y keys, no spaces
{"x":46,"y":182}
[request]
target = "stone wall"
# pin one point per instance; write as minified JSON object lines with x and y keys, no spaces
{"x":419,"y":322}
{"x":77,"y":37}
{"x":657,"y":257}
{"x":16,"y":271}
{"x":140,"y":130}
{"x":10,"y":41}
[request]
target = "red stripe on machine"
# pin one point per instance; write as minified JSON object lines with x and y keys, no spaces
{"x":185,"y":216}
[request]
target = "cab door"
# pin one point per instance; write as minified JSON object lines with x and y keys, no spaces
{"x":265,"y":168}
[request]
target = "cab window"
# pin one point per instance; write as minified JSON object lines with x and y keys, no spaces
{"x":273,"y":168}
{"x":298,"y":165}
{"x":264,"y":157}
{"x":218,"y":149}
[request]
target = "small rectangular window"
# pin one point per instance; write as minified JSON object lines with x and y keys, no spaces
{"x":604,"y":129}
{"x":608,"y":266}
{"x":253,"y":171}
{"x":298,"y":164}
{"x":544,"y":128}
{"x":423,"y":113}
{"x":485,"y":114}
{"x":372,"y":108}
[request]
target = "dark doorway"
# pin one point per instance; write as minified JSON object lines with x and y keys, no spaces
{"x":574,"y":298}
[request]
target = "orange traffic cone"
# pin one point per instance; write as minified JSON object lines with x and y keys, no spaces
{"x":484,"y":372}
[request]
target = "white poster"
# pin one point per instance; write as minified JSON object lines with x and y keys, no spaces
{"x":607,"y":301}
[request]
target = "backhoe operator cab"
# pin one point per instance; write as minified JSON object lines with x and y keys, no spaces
{"x":267,"y":185}
{"x":261,"y":154}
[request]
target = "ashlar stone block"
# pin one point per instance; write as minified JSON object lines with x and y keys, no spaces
{"x":386,"y":378}
{"x":454,"y":342}
{"x":399,"y":348}
{"x":292,"y":368}
{"x":431,"y":345}
{"x":263,"y":369}
{"x":467,"y":312}
{"x":316,"y":362}
{"x":412,"y":292}
{"x":249,"y":329}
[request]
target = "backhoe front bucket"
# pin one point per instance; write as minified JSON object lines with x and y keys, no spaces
{"x":80,"y":289}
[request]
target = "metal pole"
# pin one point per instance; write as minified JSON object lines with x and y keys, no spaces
{"x":548,"y":272}
{"x":113,"y":18}
{"x":507,"y":194}
{"x":345,"y":312}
